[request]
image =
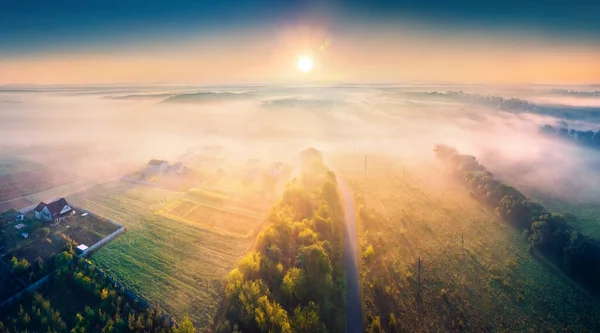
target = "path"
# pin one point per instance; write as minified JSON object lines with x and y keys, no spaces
{"x":353,"y":301}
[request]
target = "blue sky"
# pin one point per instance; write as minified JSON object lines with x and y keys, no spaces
{"x":28,"y":26}
{"x":225,"y":41}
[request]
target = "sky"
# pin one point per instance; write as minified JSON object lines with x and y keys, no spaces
{"x":232,"y":41}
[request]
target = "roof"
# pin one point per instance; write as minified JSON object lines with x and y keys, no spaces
{"x":40,"y":206}
{"x":156,"y":162}
{"x":82,"y":247}
{"x":56,"y":206}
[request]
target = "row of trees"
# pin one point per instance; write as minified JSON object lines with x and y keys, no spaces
{"x":101,"y":306}
{"x":550,"y":233}
{"x":576,"y":92}
{"x":493,"y":101}
{"x":293,"y":281}
{"x":586,"y":138}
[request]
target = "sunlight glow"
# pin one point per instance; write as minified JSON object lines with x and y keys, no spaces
{"x":305,"y":64}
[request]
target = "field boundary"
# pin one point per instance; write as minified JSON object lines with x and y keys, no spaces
{"x":102,"y":242}
{"x":32,"y":288}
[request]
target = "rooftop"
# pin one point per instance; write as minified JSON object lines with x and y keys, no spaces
{"x":156,"y":162}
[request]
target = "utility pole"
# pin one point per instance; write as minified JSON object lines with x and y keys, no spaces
{"x":419,"y":286}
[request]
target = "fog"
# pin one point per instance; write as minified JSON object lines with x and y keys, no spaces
{"x":102,"y":132}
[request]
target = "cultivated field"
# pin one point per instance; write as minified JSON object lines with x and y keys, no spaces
{"x":217,"y":219}
{"x":19,"y":184}
{"x":12,"y":164}
{"x":176,"y":253}
{"x":413,"y":210}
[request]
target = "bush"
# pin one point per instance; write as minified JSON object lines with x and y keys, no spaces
{"x":369,"y":252}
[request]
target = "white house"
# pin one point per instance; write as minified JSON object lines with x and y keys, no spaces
{"x":177,"y":169}
{"x":157,"y":166}
{"x":56,"y":210}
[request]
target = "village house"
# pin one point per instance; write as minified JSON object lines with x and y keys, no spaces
{"x":54,"y":211}
{"x":177,"y":169}
{"x":276,"y":169}
{"x":157,"y":166}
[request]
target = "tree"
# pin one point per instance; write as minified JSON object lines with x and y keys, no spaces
{"x":294,"y":284}
{"x":271,"y":317}
{"x":62,"y":259}
{"x":20,"y":267}
{"x":376,"y":326}
{"x":369,"y":252}
{"x":306,"y":319}
{"x":186,"y":326}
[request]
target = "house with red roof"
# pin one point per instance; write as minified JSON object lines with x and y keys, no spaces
{"x":54,"y":211}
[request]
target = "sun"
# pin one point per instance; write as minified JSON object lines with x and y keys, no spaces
{"x":305,"y":64}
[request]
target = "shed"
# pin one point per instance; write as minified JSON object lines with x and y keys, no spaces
{"x":82,"y":247}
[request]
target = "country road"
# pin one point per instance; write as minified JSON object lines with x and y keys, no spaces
{"x":353,"y":301}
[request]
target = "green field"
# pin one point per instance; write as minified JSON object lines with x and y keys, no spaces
{"x":179,"y":266}
{"x":586,"y":212}
{"x":409,"y":211}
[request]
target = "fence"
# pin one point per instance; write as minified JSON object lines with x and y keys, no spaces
{"x":35,"y":286}
{"x":102,"y":242}
{"x":32,"y":288}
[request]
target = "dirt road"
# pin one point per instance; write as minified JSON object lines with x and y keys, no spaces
{"x":353,"y":302}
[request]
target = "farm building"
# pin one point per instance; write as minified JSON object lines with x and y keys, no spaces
{"x":54,"y":211}
{"x":81,"y":248}
{"x":157,"y":166}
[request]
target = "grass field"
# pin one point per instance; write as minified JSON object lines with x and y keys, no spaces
{"x":414,"y":210}
{"x":179,"y":266}
{"x":587,"y":212}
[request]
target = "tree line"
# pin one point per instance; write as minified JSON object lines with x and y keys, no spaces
{"x":502,"y":103}
{"x":549,"y":233}
{"x":101,"y":306}
{"x":294,"y":279}
{"x":592,"y":93}
{"x":585,"y":138}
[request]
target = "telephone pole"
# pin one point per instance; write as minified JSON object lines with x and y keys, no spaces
{"x":419,"y":286}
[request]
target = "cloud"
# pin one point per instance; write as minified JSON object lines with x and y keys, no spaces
{"x":94,"y":136}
